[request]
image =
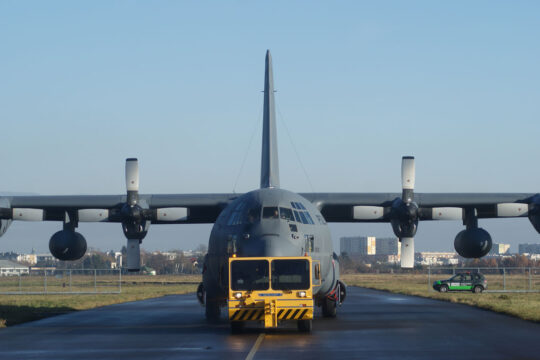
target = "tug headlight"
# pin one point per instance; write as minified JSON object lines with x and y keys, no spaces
{"x":302,"y":294}
{"x":238,"y":295}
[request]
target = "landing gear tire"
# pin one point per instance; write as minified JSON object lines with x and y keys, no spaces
{"x":237,"y":327}
{"x":305,"y":326}
{"x":443,"y":289}
{"x":212,"y":310}
{"x":329,"y":308}
{"x":201,"y":294}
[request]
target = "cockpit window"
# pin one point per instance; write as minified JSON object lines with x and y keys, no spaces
{"x":297,"y":216}
{"x":293,"y":205}
{"x":309,"y":219}
{"x":270,"y":213}
{"x":254,"y":215}
{"x":286,"y":214}
{"x":304,"y":219}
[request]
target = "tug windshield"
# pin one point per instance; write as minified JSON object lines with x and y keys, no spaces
{"x":290,"y":274}
{"x":247,"y":275}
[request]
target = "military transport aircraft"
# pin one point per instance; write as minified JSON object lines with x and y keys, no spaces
{"x":269,"y":221}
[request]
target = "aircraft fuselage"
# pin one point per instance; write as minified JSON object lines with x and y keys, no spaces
{"x":269,"y":222}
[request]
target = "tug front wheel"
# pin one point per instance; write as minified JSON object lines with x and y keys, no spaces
{"x":305,"y":325}
{"x":237,"y":326}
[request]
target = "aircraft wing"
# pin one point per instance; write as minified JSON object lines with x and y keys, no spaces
{"x":136,"y":212}
{"x":380,"y":207}
{"x":404,"y":211}
{"x":159,"y":209}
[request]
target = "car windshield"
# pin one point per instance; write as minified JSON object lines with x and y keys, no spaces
{"x":249,"y":275}
{"x":290,"y":274}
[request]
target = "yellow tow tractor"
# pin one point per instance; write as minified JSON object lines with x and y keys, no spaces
{"x":271,"y":290}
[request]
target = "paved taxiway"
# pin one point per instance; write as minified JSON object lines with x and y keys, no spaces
{"x":371,"y":325}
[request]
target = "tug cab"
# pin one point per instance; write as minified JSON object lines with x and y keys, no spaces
{"x":271,"y":290}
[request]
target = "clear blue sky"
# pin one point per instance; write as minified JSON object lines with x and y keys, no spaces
{"x":83,"y":85}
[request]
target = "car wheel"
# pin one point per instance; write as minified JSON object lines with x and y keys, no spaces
{"x":478,"y":289}
{"x":444,"y":288}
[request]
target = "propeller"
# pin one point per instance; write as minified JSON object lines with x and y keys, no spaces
{"x":136,"y":216}
{"x":404,"y":213}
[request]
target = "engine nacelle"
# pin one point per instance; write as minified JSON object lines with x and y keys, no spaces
{"x":473,"y":243}
{"x":67,"y":245}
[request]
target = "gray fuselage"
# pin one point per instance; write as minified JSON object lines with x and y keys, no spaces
{"x":250,"y":226}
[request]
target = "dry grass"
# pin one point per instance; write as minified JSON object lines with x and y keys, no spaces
{"x":522,"y":305}
{"x":16,"y":309}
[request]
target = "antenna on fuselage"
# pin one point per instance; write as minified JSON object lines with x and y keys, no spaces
{"x":269,"y":159}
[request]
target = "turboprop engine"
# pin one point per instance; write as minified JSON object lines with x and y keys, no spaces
{"x":67,"y":245}
{"x":473,"y":243}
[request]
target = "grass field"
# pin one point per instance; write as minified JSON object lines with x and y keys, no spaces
{"x":16,"y":309}
{"x":522,"y":305}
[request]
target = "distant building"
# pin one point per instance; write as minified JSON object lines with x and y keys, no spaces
{"x":393,"y":259}
{"x":437,"y":258}
{"x":388,"y":246}
{"x":358,"y":245}
{"x":169,"y":255}
{"x":27,"y":258}
{"x":117,"y":263}
{"x":499,"y":249}
{"x":10,"y":268}
{"x":529,"y":248}
{"x":45,"y":257}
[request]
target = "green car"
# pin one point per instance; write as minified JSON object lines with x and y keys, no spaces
{"x":474,"y":282}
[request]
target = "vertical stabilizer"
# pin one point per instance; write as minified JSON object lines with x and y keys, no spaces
{"x":269,"y":160}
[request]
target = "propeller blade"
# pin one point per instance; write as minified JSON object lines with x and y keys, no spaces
{"x":93,"y":215}
{"x":447,"y":213}
{"x":407,"y":178}
{"x":28,"y":214}
{"x":172,"y":214}
{"x":512,"y":209}
{"x":368,"y":212}
{"x":132,"y":180}
{"x":407,"y":252}
{"x":133,"y":255}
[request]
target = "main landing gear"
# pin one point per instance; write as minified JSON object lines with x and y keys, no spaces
{"x":331,"y":301}
{"x":212,"y":308}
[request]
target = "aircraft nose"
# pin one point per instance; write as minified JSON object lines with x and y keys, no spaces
{"x":268,"y":245}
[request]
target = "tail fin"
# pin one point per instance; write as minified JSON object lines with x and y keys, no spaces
{"x":269,"y":160}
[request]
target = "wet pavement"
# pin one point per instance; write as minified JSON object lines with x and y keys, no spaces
{"x":370,"y":325}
